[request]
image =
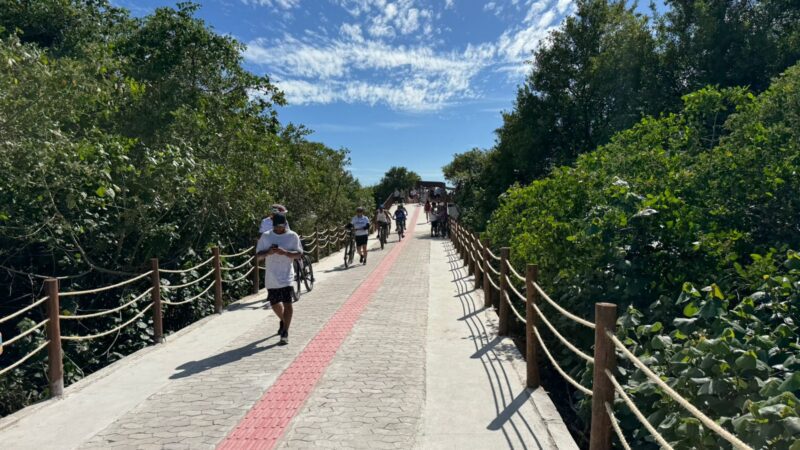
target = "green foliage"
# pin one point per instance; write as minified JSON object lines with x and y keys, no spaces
{"x":702,"y":196}
{"x":124,"y":140}
{"x":399,"y":178}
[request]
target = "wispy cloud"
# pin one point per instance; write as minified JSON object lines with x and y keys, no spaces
{"x":365,"y":64}
{"x":283,"y":4}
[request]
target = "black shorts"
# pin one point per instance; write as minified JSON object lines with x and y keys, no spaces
{"x":280,"y":295}
{"x":362,"y":240}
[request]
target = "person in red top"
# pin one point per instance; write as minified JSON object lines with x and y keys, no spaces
{"x":427,"y":211}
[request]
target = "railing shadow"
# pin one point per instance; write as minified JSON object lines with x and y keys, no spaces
{"x":507,"y":403}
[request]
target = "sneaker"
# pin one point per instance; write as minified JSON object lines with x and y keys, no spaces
{"x":365,"y":260}
{"x":361,"y":259}
{"x":280,"y":329}
{"x":284,"y":338}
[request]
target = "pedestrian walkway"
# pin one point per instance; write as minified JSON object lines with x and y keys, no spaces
{"x":394,"y":354}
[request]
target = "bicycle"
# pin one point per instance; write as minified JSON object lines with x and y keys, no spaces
{"x":401,"y":229}
{"x":383,"y":234}
{"x":303,"y":273}
{"x":350,"y":248}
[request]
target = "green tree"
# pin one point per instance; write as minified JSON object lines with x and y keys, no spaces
{"x":399,"y":178}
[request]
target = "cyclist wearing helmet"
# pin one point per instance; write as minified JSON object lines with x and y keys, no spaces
{"x":266,"y":223}
{"x":360,"y":225}
{"x":400,"y":215}
{"x":383,"y":219}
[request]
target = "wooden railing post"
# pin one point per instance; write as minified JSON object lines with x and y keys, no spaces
{"x":531,"y":343}
{"x":602,"y":390}
{"x":155,"y":295}
{"x":316,"y":248}
{"x":217,"y":281}
{"x":487,"y":287}
{"x":479,"y":273}
{"x":55,"y":361}
{"x":504,"y":310}
{"x":256,"y":274}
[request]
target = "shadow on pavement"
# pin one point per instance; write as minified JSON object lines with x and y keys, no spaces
{"x":194,"y":367}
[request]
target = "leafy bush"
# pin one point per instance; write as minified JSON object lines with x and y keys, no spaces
{"x":692,"y":197}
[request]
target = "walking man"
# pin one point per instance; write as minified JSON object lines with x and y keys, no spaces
{"x":361,"y":227}
{"x":280,"y":247}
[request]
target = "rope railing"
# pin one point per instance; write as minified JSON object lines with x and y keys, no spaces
{"x":26,"y":332}
{"x":107,"y":311}
{"x":190,"y":283}
{"x":106,"y":333}
{"x":615,"y":426}
{"x":106,"y":288}
{"x":191,"y":299}
{"x":24,"y":358}
{"x":492,"y":255}
{"x":514,"y":272}
{"x":560,"y":337}
{"x":563,"y":311}
{"x":556,"y":366}
{"x":247,"y":250}
{"x":24,"y":310}
{"x":707,"y":421}
{"x":189,"y":269}
{"x":240,"y":278}
{"x":246,"y":263}
{"x":493,"y":283}
{"x":511,"y":306}
{"x":636,"y":412}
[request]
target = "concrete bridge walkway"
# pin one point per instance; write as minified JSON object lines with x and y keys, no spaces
{"x":394,"y":354}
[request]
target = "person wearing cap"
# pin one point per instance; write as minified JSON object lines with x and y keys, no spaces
{"x":266,"y":223}
{"x":280,"y":247}
{"x":360,"y":225}
{"x":383,"y":219}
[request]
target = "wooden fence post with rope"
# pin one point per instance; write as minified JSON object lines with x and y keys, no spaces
{"x":502,"y":328}
{"x":256,"y":275}
{"x":602,"y":388}
{"x":531,"y":345}
{"x":487,"y":288}
{"x":479,"y":273}
{"x":316,"y":248}
{"x":155,"y":295}
{"x":218,"y":281}
{"x":55,"y":362}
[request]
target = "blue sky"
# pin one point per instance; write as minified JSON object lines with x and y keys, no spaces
{"x":397,"y":82}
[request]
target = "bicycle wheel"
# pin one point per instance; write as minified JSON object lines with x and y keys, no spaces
{"x":298,"y":274}
{"x":347,"y":250}
{"x":308,"y":273}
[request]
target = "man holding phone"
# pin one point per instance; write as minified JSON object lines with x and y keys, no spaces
{"x":280,"y":247}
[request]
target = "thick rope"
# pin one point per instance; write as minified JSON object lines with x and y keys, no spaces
{"x":24,"y":310}
{"x":516,"y":292}
{"x":493,"y":284}
{"x":228,"y":269}
{"x":311,"y":242}
{"x":24,"y":358}
{"x":561,"y":338}
{"x":495,"y":257}
{"x":247,"y":250}
{"x":105,"y":288}
{"x":708,"y":422}
{"x":491,"y":269}
{"x":660,"y":439}
{"x":615,"y":426}
{"x":510,"y":305}
{"x":514,"y":271}
{"x":108,"y":311}
{"x":106,"y":333}
{"x":179,"y":286}
{"x":183,"y":302}
{"x":189,"y":269}
{"x":563,"y":311}
{"x":240,"y":278}
{"x":558,"y":368}
{"x":26,"y":332}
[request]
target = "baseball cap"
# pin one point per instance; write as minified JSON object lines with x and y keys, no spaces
{"x":279,"y":220}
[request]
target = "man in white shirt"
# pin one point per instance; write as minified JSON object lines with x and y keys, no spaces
{"x":361,"y":230}
{"x":383,"y":220}
{"x":280,"y":247}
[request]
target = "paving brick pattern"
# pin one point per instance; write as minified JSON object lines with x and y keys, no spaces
{"x":206,"y":399}
{"x":372,"y":395}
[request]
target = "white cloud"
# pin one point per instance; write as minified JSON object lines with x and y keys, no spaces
{"x":449,"y":4}
{"x":284,"y":4}
{"x":352,"y":31}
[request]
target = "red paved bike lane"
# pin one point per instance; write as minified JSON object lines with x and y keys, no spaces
{"x":269,"y":418}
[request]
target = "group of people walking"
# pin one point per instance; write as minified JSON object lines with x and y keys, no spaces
{"x":438,"y":216}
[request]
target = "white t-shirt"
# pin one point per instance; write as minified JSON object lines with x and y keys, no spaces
{"x":361,"y":225}
{"x":266,"y":225}
{"x":280,"y":270}
{"x":382,"y":217}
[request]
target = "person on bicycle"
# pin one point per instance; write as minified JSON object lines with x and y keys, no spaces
{"x":383,"y":220}
{"x":280,"y":247}
{"x":400,"y":215}
{"x":427,"y":210}
{"x":360,"y":225}
{"x":266,"y":223}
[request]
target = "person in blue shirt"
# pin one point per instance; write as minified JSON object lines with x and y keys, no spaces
{"x":400,"y":215}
